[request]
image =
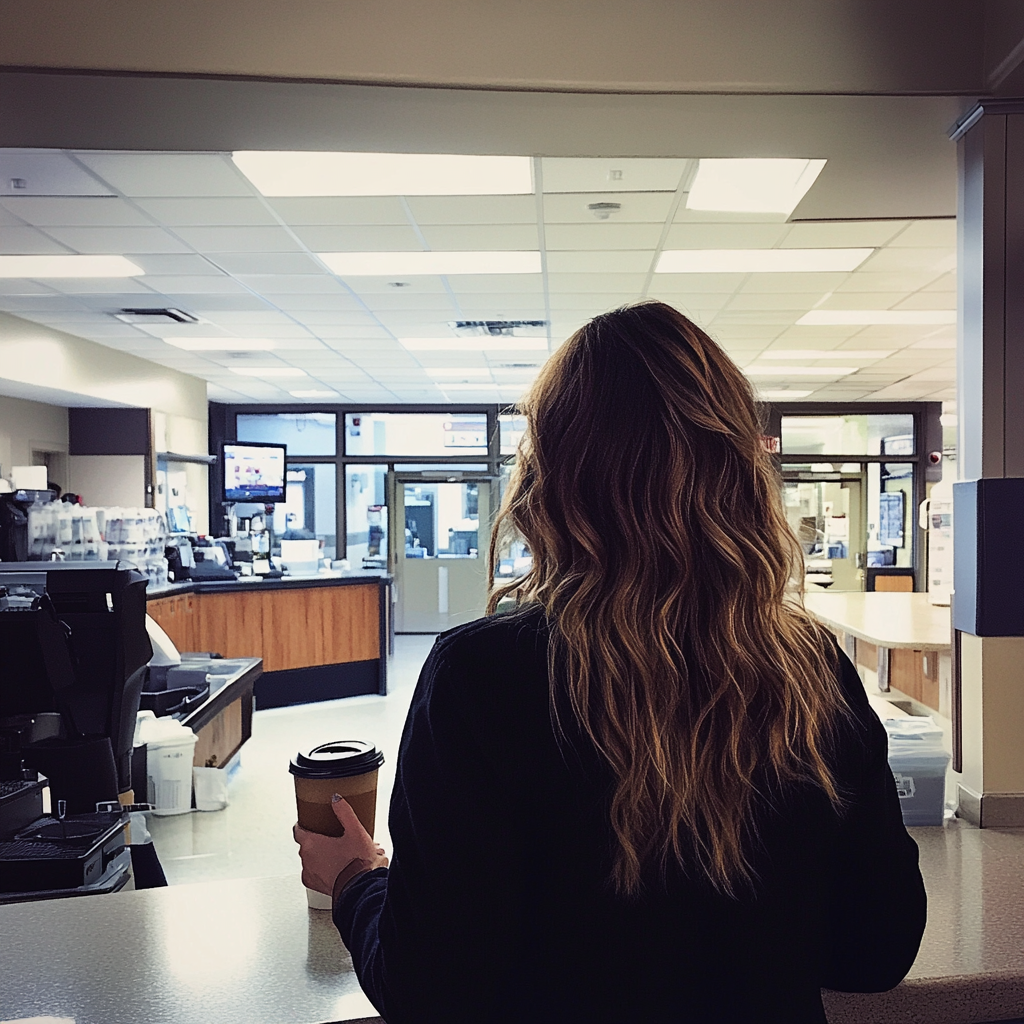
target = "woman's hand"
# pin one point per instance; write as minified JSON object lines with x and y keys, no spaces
{"x":325,"y":858}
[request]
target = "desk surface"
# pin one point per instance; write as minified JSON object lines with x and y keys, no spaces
{"x":889,"y":620}
{"x":244,"y":583}
{"x":248,"y":951}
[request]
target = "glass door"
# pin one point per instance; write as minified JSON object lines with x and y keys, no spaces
{"x":826,"y":512}
{"x":438,"y":550}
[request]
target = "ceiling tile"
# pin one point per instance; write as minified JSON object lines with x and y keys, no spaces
{"x":76,"y":211}
{"x":591,"y":303}
{"x":616,"y":174}
{"x":122,"y":241}
{"x":480,"y":237}
{"x":427,"y":210}
{"x":356,"y":238}
{"x":774,"y":300}
{"x":23,"y":286}
{"x":238,"y":239}
{"x":43,"y":305}
{"x":604,"y":236}
{"x":937,"y":261}
{"x":635,"y":207}
{"x":928,"y":300}
{"x":861,"y":300}
{"x":168,"y":174}
{"x":685,"y":284}
{"x":320,"y":210}
{"x":821,"y":283}
{"x":202,"y":303}
{"x":183,"y":264}
{"x":223,"y":211}
{"x":316,"y":301}
{"x":946,"y":283}
{"x":416,"y":284}
{"x":266,"y":263}
{"x":205,"y":283}
{"x":397,"y":301}
{"x":22,"y":241}
{"x":84,"y":286}
{"x":900,"y":281}
{"x":842,"y":234}
{"x":624,"y":261}
{"x":292,"y":284}
{"x":725,"y":236}
{"x":494,"y":284}
{"x":927,"y":233}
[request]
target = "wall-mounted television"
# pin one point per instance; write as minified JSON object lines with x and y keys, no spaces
{"x":254,"y":472}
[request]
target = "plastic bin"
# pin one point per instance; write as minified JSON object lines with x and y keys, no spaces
{"x":170,"y":748}
{"x":918,"y":762}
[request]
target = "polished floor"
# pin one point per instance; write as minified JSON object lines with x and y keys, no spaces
{"x":251,"y":837}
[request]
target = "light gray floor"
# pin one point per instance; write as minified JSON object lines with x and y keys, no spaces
{"x":252,"y":837}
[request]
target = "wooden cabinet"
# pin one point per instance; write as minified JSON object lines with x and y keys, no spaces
{"x":289,"y":628}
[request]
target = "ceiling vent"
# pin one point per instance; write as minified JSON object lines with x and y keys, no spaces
{"x":498,"y":328}
{"x":156,"y":316}
{"x":602,"y":211}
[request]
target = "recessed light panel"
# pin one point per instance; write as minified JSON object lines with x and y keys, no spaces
{"x":388,"y":264}
{"x":37,"y":267}
{"x":752,"y":186}
{"x":268,"y":371}
{"x":385,"y":174}
{"x":478,"y":344}
{"x":222,"y":344}
{"x":843,"y":317}
{"x":760,"y":261}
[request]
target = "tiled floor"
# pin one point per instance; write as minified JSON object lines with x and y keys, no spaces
{"x":252,"y":836}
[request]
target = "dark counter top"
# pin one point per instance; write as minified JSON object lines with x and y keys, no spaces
{"x":340,"y":579}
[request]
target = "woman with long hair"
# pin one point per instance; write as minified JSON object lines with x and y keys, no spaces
{"x":655,"y":791}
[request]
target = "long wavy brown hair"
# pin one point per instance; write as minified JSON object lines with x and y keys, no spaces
{"x":665,"y":565}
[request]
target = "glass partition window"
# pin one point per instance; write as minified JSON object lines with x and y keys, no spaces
{"x":309,"y":509}
{"x":412,"y":433}
{"x":442,"y":520}
{"x":366,"y":516}
{"x":890,"y":508}
{"x":856,"y":434}
{"x":511,"y":430}
{"x":303,"y":433}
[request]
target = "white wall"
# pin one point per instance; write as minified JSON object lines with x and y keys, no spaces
{"x":110,"y":479}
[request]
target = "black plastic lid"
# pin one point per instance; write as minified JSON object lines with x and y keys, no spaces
{"x":338,"y":759}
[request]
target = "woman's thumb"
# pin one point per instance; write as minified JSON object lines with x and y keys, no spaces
{"x":344,"y":813}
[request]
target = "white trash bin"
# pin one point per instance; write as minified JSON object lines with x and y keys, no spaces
{"x":170,"y":748}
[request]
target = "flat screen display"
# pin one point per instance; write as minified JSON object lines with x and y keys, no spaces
{"x":254,"y":472}
{"x":890,"y":514}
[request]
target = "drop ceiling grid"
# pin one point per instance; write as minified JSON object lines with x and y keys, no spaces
{"x":211,"y":244}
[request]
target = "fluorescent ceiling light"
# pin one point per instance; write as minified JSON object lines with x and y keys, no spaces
{"x":759,"y":261}
{"x":385,"y":174}
{"x":458,"y":371}
{"x":776,"y":395}
{"x":312,"y":393}
{"x":222,"y":344}
{"x":68,"y":266}
{"x":475,"y":344}
{"x":839,"y":353}
{"x":836,"y":317}
{"x":799,"y":371}
{"x":401,"y":264}
{"x":268,"y":371}
{"x":752,"y":186}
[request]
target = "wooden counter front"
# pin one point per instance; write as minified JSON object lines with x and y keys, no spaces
{"x":301,"y":630}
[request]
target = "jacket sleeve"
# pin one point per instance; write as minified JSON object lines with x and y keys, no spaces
{"x":435,"y":937}
{"x":877,"y":910}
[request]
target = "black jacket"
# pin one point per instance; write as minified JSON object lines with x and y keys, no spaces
{"x":496,"y":907}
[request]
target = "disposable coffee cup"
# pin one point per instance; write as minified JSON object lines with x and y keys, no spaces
{"x":346,"y":767}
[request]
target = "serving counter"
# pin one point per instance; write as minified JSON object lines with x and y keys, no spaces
{"x":250,"y":952}
{"x":897,"y":640}
{"x":320,"y":637}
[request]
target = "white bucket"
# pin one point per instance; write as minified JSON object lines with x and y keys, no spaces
{"x":170,"y":748}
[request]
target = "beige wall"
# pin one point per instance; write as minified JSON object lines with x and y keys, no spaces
{"x":26,"y":427}
{"x":843,"y":46}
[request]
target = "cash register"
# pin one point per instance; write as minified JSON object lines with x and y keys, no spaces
{"x":73,"y":659}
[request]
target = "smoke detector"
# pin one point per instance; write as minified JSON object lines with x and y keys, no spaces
{"x":602,"y":211}
{"x":498,"y":328}
{"x":156,"y":316}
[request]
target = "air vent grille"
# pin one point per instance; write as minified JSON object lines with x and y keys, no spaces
{"x":156,"y":316}
{"x":498,"y":328}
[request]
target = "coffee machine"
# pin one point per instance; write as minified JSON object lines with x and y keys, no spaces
{"x":74,"y":651}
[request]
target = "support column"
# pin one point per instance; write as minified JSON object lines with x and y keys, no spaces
{"x":988,"y":682}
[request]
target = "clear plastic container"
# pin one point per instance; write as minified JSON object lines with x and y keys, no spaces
{"x":918,"y":761}
{"x":170,"y":748}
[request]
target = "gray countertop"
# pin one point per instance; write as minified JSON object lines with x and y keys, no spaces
{"x":249,"y":951}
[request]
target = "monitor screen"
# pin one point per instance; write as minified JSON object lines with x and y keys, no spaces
{"x":254,"y":472}
{"x":890,"y":515}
